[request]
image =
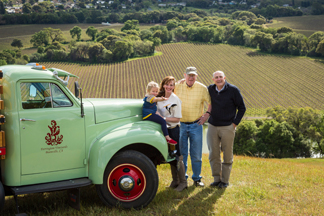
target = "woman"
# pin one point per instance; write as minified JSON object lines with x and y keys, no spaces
{"x":171,"y":111}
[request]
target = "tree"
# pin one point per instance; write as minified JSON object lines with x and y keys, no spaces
{"x":317,"y":8}
{"x":123,"y":49}
{"x":81,"y":5}
{"x":95,"y":52}
{"x":131,"y":25}
{"x":68,"y":18}
{"x":60,"y":7}
{"x":224,"y":21}
{"x":3,"y":62}
{"x":281,"y":140}
{"x":92,"y":32}
{"x":260,"y":21}
{"x":26,"y":57}
{"x":55,"y":34}
{"x":317,"y":133}
{"x":40,"y":39}
{"x":17,"y":43}
{"x":80,"y":52}
{"x":307,"y":122}
{"x":76,"y":31}
{"x":320,"y":48}
{"x":156,"y":42}
{"x":179,"y":34}
{"x":8,"y":56}
{"x":315,"y":39}
{"x":146,"y":34}
{"x":109,"y":42}
{"x":27,"y":8}
{"x":80,"y":16}
{"x":240,"y":14}
{"x":37,"y":8}
{"x":171,"y":24}
{"x":245,"y":136}
{"x":2,"y":8}
{"x":40,"y":49}
{"x":146,"y":3}
{"x":205,"y":34}
{"x":284,"y":30}
{"x":263,"y":40}
{"x":55,"y":46}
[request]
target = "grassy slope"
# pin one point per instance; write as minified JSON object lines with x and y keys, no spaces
{"x":257,"y":187}
{"x":306,"y":25}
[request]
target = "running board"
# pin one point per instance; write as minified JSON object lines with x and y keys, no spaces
{"x":53,"y":186}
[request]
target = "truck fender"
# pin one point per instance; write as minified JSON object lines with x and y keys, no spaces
{"x":103,"y":150}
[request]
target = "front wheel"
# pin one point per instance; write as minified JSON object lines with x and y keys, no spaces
{"x":130,"y":180}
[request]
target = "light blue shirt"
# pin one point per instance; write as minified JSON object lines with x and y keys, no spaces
{"x":220,"y":90}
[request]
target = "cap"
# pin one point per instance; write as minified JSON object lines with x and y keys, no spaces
{"x":191,"y":70}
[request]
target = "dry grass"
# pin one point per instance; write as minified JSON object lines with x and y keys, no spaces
{"x":257,"y":187}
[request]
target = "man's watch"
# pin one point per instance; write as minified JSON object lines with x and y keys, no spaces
{"x":208,"y":113}
{"x":164,"y":118}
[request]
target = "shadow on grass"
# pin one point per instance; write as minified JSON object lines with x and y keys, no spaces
{"x":49,"y":203}
{"x":188,"y":202}
{"x":202,"y":203}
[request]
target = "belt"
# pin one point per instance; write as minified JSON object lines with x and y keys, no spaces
{"x":191,"y":122}
{"x":173,"y":127}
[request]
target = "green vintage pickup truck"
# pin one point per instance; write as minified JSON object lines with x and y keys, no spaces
{"x":53,"y":140}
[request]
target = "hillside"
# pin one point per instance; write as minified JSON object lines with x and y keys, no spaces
{"x":306,"y":25}
{"x":264,"y":80}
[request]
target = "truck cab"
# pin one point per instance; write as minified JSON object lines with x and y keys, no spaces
{"x":55,"y":140}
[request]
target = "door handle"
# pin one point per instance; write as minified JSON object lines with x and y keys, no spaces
{"x":22,"y":119}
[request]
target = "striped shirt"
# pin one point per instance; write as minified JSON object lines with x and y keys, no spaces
{"x":193,"y":99}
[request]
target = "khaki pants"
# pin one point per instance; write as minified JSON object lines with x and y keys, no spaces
{"x":221,"y":138}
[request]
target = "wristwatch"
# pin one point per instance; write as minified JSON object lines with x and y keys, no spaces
{"x":164,"y":118}
{"x":208,"y":113}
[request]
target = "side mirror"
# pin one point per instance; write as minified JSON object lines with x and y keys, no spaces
{"x":76,"y":89}
{"x":32,"y":91}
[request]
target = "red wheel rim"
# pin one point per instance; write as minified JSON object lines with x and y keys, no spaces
{"x":119,"y":181}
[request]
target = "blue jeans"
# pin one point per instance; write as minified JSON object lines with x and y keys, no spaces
{"x":193,"y":133}
{"x":158,"y":119}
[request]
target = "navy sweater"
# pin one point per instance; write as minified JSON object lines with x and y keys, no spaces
{"x":227,"y":106}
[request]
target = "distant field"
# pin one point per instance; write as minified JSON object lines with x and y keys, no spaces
{"x":24,"y":32}
{"x":306,"y":25}
{"x":265,"y":81}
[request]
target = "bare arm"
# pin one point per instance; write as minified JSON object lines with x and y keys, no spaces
{"x":157,"y":99}
{"x":181,"y":81}
{"x":172,"y":119}
{"x":205,"y":116}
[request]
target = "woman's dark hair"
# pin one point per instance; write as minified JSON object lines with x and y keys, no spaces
{"x":166,"y":80}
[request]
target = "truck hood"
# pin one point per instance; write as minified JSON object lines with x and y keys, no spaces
{"x":112,"y":109}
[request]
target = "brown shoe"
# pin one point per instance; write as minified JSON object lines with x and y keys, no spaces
{"x":175,"y":178}
{"x":182,"y":176}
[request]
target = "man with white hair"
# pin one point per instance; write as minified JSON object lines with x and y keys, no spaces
{"x":227,"y":110}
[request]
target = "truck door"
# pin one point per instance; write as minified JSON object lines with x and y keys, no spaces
{"x":51,"y":129}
